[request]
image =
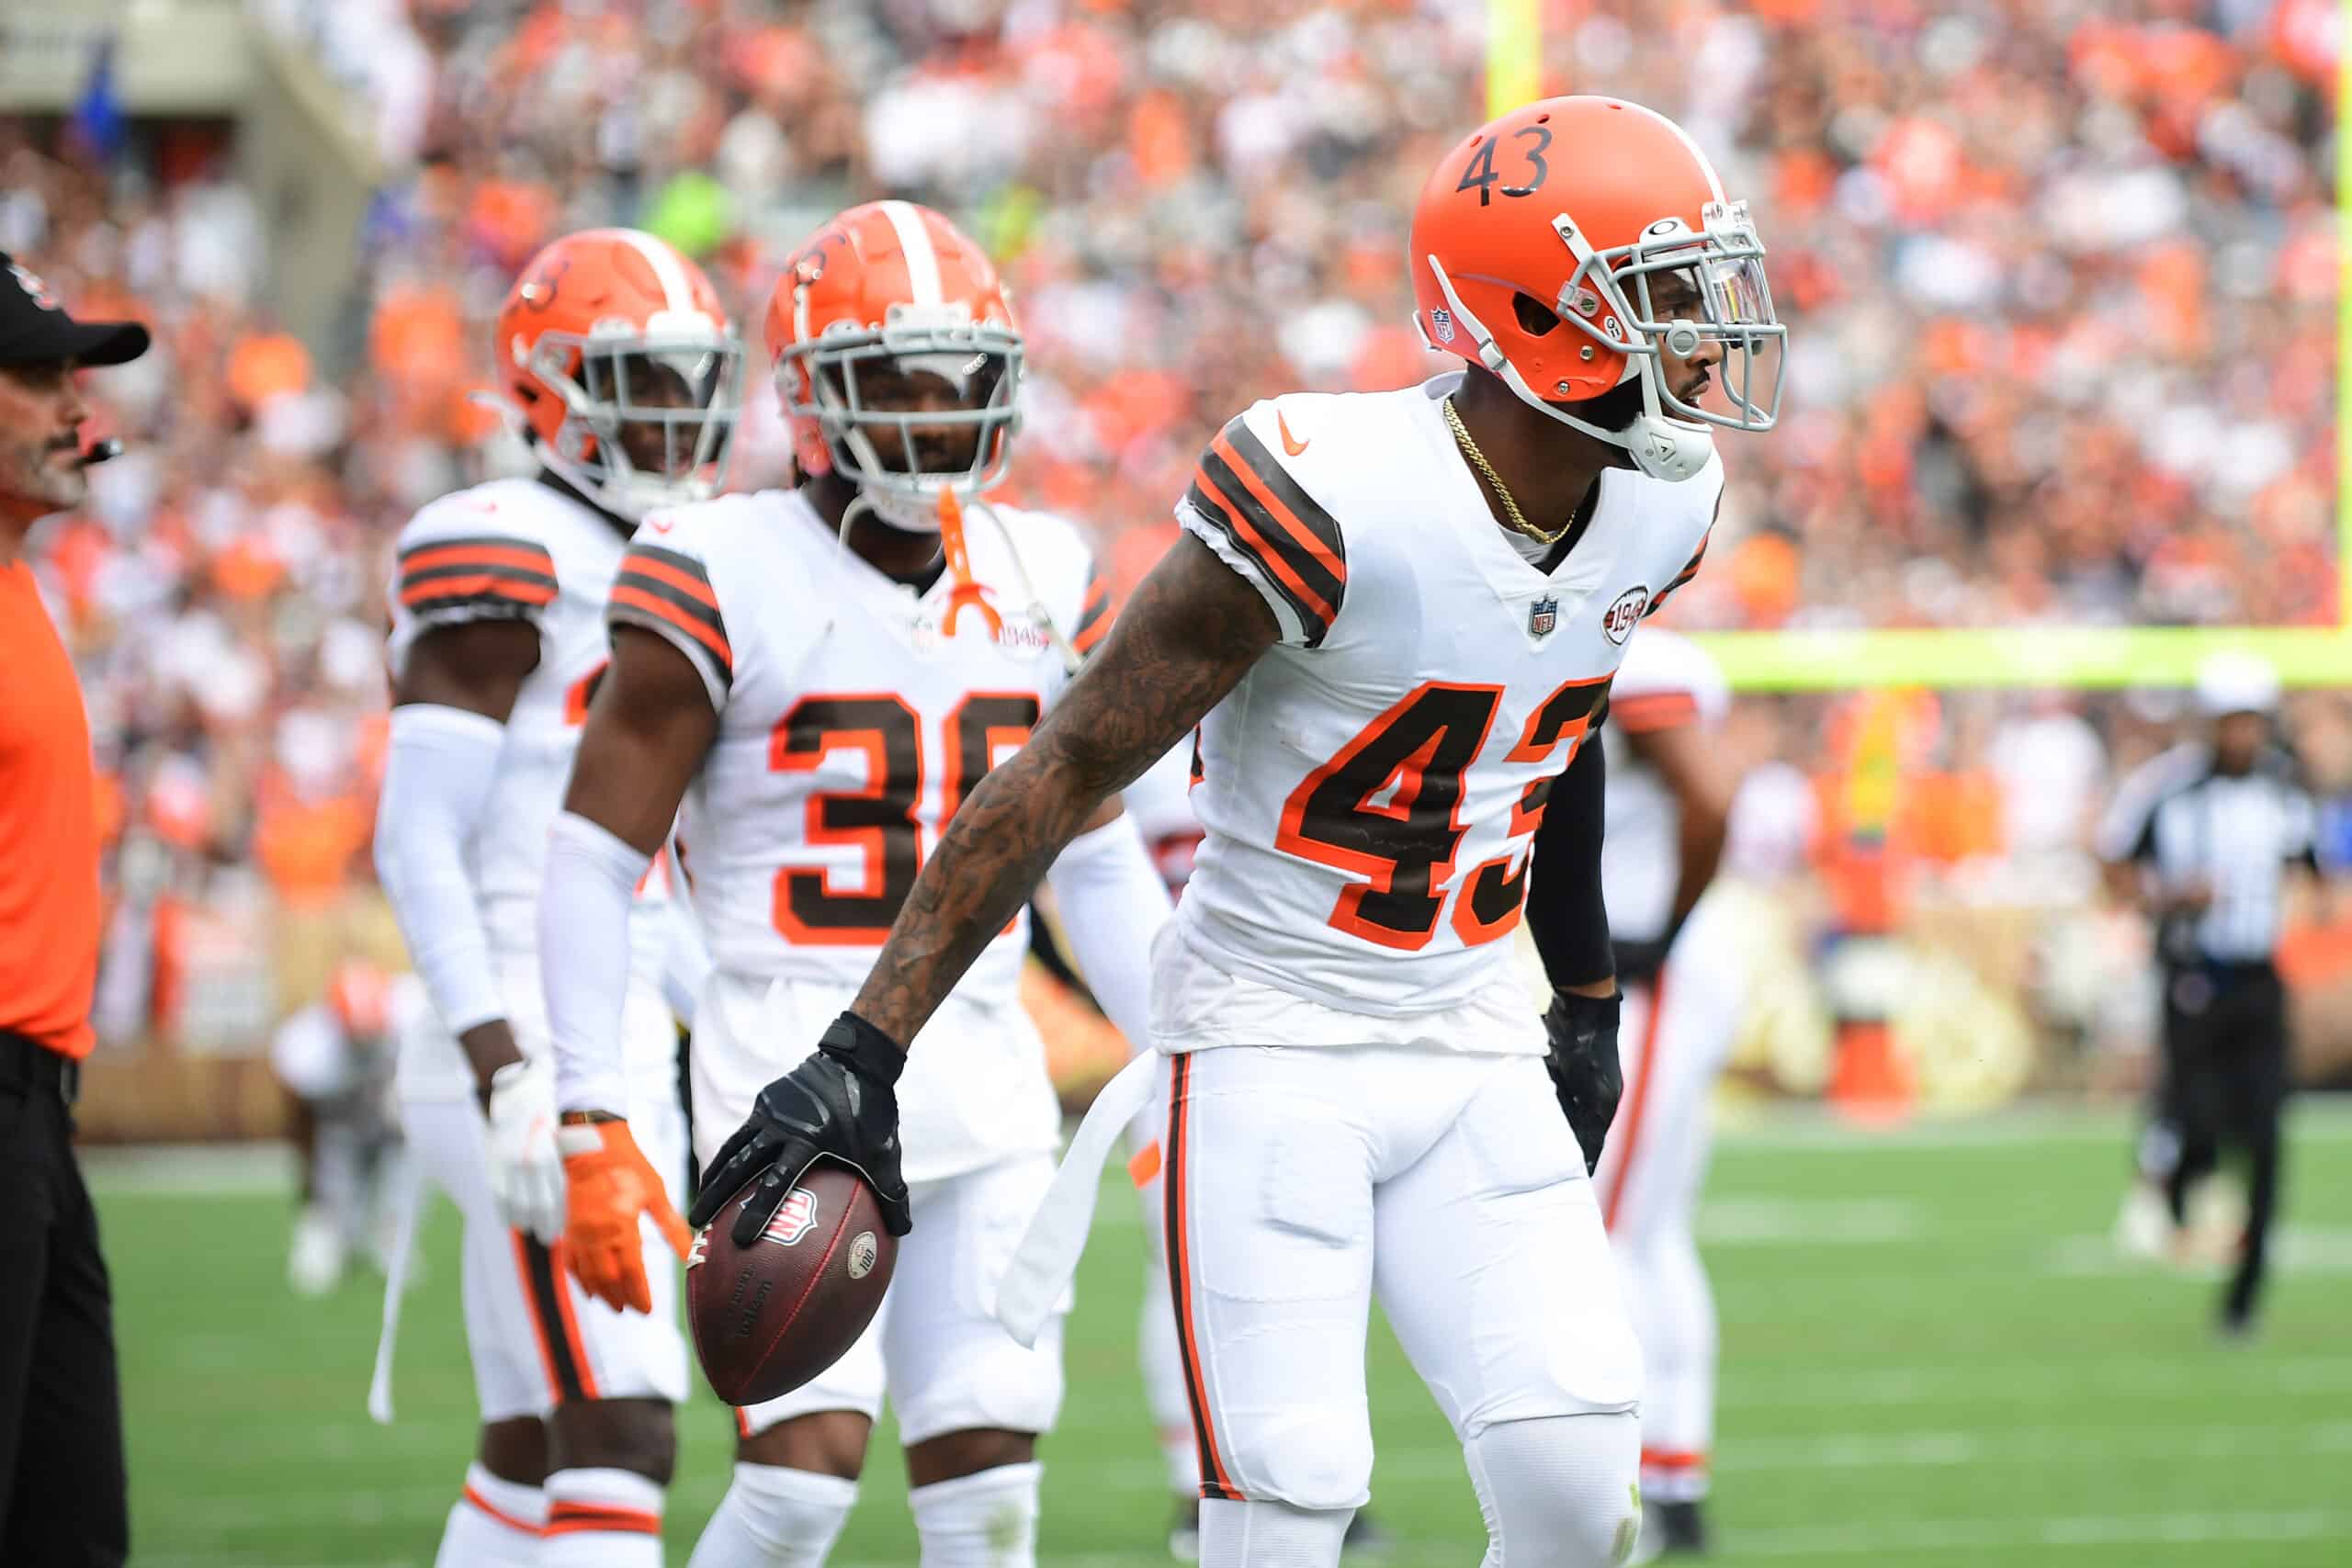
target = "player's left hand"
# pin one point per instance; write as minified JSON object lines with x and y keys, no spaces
{"x":840,"y":1102}
{"x":1584,"y":1067}
{"x":525,"y":1173}
{"x":611,"y":1183}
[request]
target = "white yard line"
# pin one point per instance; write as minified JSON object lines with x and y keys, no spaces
{"x":2015,"y":1380}
{"x":2041,"y":1448}
{"x":2079,"y":1531}
{"x":2297,"y":1249}
{"x":2311,"y":1119}
{"x":190,"y":1170}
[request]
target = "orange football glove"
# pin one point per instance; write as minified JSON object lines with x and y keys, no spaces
{"x":609,"y":1184}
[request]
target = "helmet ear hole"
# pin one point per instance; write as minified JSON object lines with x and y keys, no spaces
{"x":1536,"y":318}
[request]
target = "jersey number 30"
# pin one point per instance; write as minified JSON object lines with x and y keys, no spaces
{"x":1388,"y":809}
{"x":882,"y":818}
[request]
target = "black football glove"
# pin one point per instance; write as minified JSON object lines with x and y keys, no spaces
{"x":838,"y":1104}
{"x":1583,"y":1065}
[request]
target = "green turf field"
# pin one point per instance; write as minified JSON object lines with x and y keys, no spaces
{"x":1931,"y":1358}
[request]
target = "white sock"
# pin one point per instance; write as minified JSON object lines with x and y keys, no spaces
{"x":1239,"y":1534}
{"x":775,"y":1517}
{"x":495,"y":1524}
{"x":601,"y":1518}
{"x":988,"y":1520}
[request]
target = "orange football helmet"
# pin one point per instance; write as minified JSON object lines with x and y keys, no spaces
{"x":895,"y":294}
{"x":615,"y":354}
{"x":1563,"y":211}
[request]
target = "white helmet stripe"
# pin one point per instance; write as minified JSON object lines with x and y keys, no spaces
{"x":1714,"y":185}
{"x":914,"y":242}
{"x":677,"y":293}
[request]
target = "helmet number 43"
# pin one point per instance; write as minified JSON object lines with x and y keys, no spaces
{"x":1480,"y":175}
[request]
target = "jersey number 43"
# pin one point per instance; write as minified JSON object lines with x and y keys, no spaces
{"x":1388,"y":809}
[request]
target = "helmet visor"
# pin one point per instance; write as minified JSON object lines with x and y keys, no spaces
{"x":671,"y":406}
{"x":1688,"y":290}
{"x":912,"y":410}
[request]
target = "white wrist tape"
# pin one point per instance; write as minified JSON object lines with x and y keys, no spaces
{"x":437,"y":776}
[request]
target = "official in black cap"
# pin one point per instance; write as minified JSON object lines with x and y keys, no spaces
{"x":62,"y":1489}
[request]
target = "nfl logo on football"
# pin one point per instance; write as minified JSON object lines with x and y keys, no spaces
{"x":1541,"y":616}
{"x":793,"y":1217}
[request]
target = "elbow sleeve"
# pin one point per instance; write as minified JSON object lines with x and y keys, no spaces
{"x":585,"y":898}
{"x":1565,"y":913}
{"x":437,"y":776}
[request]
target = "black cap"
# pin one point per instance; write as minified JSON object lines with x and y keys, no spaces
{"x":35,"y":329}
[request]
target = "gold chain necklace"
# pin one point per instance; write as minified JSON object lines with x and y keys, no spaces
{"x":1479,"y":461}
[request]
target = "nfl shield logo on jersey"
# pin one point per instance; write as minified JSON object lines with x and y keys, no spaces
{"x":1541,"y":616}
{"x":793,"y":1217}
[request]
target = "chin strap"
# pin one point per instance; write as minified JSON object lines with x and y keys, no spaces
{"x":966,"y":590}
{"x":959,"y":566}
{"x":1663,"y":449}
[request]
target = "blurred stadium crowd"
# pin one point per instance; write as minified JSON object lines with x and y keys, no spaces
{"x":2059,"y":277}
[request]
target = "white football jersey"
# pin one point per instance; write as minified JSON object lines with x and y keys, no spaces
{"x":1370,"y":788}
{"x":520,"y":549}
{"x":851,"y":724}
{"x":1666,"y":683}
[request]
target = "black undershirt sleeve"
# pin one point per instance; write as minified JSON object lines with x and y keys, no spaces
{"x":1565,"y":914}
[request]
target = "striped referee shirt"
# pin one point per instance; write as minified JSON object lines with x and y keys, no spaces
{"x":2183,"y":822}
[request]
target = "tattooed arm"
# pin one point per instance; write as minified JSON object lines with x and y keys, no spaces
{"x":1190,"y":633}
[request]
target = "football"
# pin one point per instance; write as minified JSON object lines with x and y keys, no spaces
{"x":770,"y":1316}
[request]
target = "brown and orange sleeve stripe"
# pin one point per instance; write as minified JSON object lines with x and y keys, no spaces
{"x":1653,"y":711}
{"x":1657,"y":600}
{"x":666,"y":591}
{"x":469,"y":578}
{"x":1243,"y":491}
{"x":1094,"y":616}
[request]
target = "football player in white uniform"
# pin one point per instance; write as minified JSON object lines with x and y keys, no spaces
{"x":1670,"y":810}
{"x":822,"y":676}
{"x":1160,"y":803}
{"x":1393,"y":616}
{"x":620,"y":364}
